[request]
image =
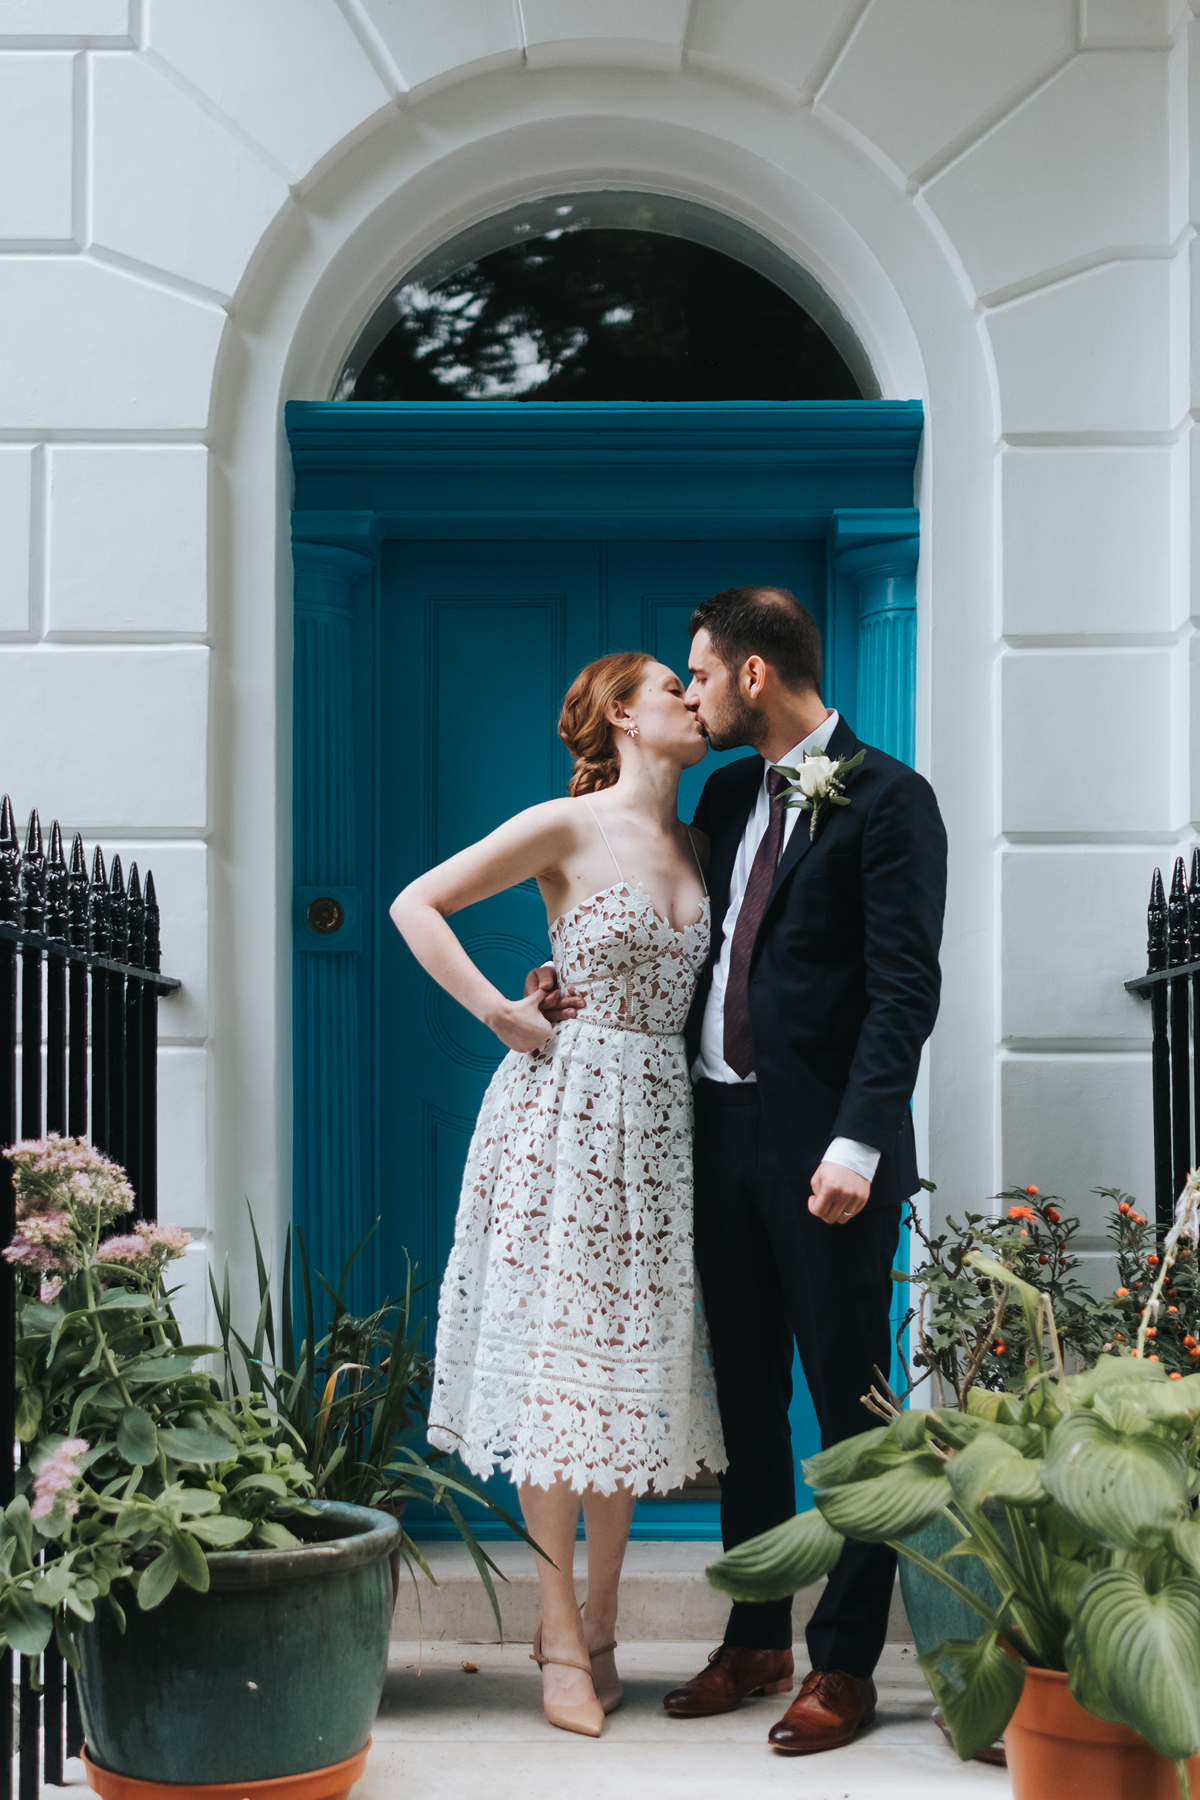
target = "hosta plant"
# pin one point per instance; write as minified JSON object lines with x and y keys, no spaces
{"x":1095,"y":1475}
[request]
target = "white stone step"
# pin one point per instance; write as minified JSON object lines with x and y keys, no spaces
{"x":664,"y":1597}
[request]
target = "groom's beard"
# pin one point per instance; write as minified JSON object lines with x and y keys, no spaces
{"x":738,"y":724}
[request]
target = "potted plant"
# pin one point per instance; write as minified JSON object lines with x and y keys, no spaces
{"x":967,"y":1332}
{"x":170,"y":1538}
{"x":1089,"y":1659}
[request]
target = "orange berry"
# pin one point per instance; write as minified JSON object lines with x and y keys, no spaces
{"x":1175,"y":1375}
{"x":1152,"y":1331}
{"x":1043,"y":1259}
{"x":1119,"y":1336}
{"x":1124,"y":1207}
{"x":1052,"y":1215}
{"x":1190,"y":1342}
{"x":999,"y":1347}
{"x":1153,"y":1359}
{"x":1153,"y":1261}
{"x":1173,"y":1309}
{"x":1139,"y":1218}
{"x":1031,"y":1189}
{"x":1122,"y":1293}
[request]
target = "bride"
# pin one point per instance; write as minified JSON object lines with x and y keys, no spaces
{"x":571,"y":1349}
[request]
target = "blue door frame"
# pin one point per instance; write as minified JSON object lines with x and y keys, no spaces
{"x":838,"y":473}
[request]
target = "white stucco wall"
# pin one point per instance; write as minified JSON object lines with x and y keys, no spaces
{"x":200,"y":206}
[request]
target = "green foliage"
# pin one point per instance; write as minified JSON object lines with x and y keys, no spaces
{"x":1095,"y":1474}
{"x":965,"y":1341}
{"x":355,"y":1401}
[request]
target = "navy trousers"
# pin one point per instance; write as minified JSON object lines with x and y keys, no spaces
{"x":772,"y":1274}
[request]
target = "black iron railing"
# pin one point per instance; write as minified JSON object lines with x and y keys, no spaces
{"x":1172,"y":986}
{"x":79,"y":988}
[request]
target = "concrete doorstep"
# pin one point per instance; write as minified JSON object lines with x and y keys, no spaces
{"x":664,"y":1597}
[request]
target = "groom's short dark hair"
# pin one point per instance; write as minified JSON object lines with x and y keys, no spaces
{"x":763,"y":621}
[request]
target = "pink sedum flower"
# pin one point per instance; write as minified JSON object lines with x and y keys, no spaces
{"x":58,"y":1475}
{"x":146,"y":1250}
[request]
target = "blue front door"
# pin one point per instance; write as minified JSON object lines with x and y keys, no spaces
{"x":479,"y":641}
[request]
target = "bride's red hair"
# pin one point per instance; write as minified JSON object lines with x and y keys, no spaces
{"x":583,"y":724}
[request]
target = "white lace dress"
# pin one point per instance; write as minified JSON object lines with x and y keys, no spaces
{"x":571,"y":1341}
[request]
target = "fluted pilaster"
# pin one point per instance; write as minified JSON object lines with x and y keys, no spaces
{"x":884,"y":574}
{"x":328,"y":1120}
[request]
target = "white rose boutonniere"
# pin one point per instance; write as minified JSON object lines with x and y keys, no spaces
{"x":818,"y":783}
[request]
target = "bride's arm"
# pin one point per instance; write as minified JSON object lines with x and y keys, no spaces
{"x":534,"y":843}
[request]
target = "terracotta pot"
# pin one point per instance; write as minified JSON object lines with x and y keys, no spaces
{"x":1058,"y":1751}
{"x":333,"y":1783}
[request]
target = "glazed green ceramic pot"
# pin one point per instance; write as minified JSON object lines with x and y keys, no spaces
{"x":934,"y":1613}
{"x":278,"y":1669}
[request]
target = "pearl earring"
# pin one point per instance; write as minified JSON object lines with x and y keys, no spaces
{"x":630,"y":731}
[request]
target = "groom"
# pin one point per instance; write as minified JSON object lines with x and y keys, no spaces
{"x":804,"y":1041}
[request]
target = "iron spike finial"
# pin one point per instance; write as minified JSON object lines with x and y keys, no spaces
{"x":137,"y":919}
{"x":33,"y":877}
{"x":1156,"y":925}
{"x":99,"y":921}
{"x":100,"y":879}
{"x":77,"y":897}
{"x":57,"y":916}
{"x":1177,"y":917}
{"x":10,"y":865}
{"x":153,"y":950}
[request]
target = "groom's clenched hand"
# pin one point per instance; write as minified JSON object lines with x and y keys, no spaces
{"x":555,"y":1006}
{"x":837,"y":1194}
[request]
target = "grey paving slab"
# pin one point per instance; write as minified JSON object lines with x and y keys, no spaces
{"x":484,"y":1733}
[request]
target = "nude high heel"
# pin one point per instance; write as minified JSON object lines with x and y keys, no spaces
{"x":587,"y":1719}
{"x":611,"y":1696}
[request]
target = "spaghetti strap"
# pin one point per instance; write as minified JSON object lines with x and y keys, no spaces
{"x":607,"y":845}
{"x":699,"y":864}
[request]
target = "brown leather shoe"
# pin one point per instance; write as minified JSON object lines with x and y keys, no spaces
{"x":827,"y":1712}
{"x":732,"y":1675}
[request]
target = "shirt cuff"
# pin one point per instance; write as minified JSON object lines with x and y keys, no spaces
{"x":860,"y":1159}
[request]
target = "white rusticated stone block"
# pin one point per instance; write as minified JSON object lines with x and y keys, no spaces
{"x":291,"y":73}
{"x":172,"y":187}
{"x":181,"y":882}
{"x":106,"y":738}
{"x":36,"y":138}
{"x":1070,"y":1124}
{"x":93,"y":20}
{"x":1086,"y":739}
{"x":91,"y":348}
{"x":433,"y":46}
{"x":1101,"y":124}
{"x":16,"y":490}
{"x":1088,"y":354}
{"x":1126,"y":24}
{"x":128,"y":538}
{"x":920,"y":78}
{"x":182,"y":1137}
{"x":1087,"y":541}
{"x":769,"y":41}
{"x":641,"y":33}
{"x":1073,"y":931}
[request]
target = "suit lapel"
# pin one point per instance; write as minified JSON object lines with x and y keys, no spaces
{"x":842,"y":743}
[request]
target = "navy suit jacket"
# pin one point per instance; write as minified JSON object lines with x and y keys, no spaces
{"x":844,"y":978}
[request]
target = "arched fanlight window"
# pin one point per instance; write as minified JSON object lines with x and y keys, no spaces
{"x":607,"y":297}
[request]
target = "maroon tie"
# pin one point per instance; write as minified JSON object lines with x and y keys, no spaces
{"x":739,"y":1041}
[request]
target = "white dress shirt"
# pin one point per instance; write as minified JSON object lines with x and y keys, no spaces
{"x":861,"y":1159}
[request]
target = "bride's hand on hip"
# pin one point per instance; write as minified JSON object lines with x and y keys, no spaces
{"x":520,"y":1023}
